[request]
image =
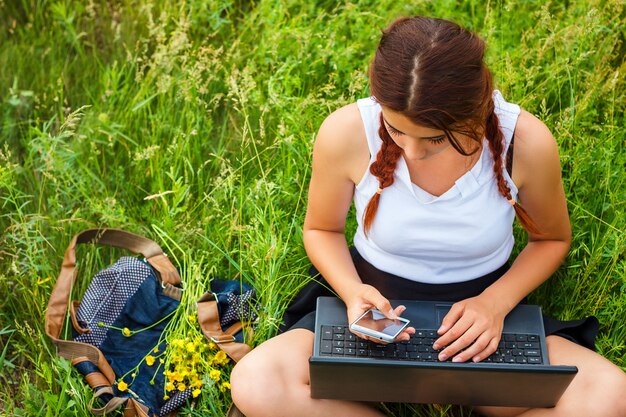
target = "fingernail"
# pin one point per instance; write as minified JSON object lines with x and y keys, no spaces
{"x":441,"y":329}
{"x":392,"y":314}
{"x":436,"y":346}
{"x":442,"y":357}
{"x":475,"y":359}
{"x":456,"y":359}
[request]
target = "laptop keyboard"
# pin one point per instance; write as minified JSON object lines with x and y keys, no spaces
{"x":339,"y":341}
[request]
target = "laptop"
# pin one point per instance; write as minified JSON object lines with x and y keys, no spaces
{"x":346,"y":367}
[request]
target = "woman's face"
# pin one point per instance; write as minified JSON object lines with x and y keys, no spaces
{"x":417,"y":142}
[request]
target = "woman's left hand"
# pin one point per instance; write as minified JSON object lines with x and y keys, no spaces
{"x":474,"y":324}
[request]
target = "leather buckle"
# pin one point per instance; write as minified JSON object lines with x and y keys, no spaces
{"x":227,"y":338}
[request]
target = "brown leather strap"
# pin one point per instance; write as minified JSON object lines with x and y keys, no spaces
{"x":73,"y":309}
{"x":110,"y":406}
{"x":96,"y":380}
{"x":209,"y":320}
{"x":79,"y":352}
{"x":133,"y":408}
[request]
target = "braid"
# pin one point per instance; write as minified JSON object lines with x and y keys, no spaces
{"x":383,"y":169}
{"x":496,"y":146}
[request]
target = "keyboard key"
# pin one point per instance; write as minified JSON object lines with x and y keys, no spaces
{"x":532,"y":352}
{"x":521,"y":338}
{"x":338,"y":351}
{"x":327,"y":332}
{"x":337,"y":343}
{"x":326,"y":347}
{"x":534,"y":360}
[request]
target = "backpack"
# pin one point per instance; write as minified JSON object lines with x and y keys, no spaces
{"x":121,"y":319}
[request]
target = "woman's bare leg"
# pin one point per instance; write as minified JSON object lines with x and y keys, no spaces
{"x":599,"y":388}
{"x":273,"y":380}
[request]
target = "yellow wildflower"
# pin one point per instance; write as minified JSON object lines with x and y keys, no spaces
{"x":126,"y":332}
{"x":196,"y":383}
{"x":225,"y":386}
{"x":191,"y":347}
{"x":150,"y":360}
{"x":166,"y":397}
{"x":215,"y":374}
{"x":196,"y":392}
{"x":156,"y":349}
{"x":161,"y":360}
{"x":220,"y":358}
{"x":191,"y":318}
{"x":181,"y":387}
{"x":122,"y":386}
{"x":169,"y":386}
{"x":212,"y":346}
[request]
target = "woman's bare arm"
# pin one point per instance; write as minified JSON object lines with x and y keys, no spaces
{"x":478,"y":321}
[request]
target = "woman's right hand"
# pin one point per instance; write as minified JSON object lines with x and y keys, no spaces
{"x":366,"y":297}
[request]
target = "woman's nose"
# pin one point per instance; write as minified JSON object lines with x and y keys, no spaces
{"x":414,"y":150}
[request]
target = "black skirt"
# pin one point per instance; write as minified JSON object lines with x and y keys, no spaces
{"x":301,"y":312}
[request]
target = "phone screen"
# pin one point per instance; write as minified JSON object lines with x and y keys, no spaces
{"x":375,"y":320}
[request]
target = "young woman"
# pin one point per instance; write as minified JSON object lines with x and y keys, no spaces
{"x":438,"y":165}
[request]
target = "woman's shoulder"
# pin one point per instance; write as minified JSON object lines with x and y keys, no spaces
{"x":536,"y":150}
{"x":341,"y":136}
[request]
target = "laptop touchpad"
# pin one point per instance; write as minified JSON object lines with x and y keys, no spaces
{"x":442,"y":310}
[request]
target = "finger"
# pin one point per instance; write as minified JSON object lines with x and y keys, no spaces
{"x":456,"y":331}
{"x":383,"y":305}
{"x":488,"y":351}
{"x":399,"y":310}
{"x":463,"y":335}
{"x":455,"y":313}
{"x":474,"y":349}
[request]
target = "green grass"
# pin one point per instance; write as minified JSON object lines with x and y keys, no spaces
{"x":193,"y":124}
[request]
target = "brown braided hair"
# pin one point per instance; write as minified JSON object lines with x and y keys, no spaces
{"x":432,"y":71}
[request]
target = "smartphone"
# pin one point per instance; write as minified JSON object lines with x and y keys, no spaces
{"x":373,"y":323}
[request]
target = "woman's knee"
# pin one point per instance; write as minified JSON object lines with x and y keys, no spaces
{"x":253,"y":382}
{"x":599,"y":387}
{"x":271,"y":374}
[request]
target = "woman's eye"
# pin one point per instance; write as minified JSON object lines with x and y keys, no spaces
{"x":393,"y":131}
{"x":437,"y":140}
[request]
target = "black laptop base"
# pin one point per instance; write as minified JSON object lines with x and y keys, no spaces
{"x":378,"y":379}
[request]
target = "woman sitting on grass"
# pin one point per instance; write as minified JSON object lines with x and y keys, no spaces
{"x":438,"y":164}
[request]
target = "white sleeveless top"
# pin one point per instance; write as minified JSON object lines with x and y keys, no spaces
{"x":465,"y":233}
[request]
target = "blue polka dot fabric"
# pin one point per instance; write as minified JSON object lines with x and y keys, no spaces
{"x":108,"y":293}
